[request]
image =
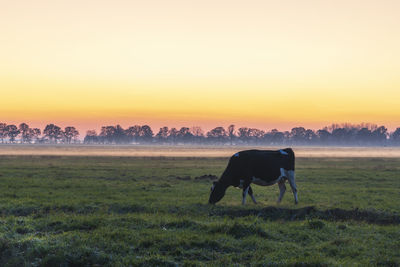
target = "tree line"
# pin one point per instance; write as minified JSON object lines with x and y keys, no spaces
{"x":25,"y":134}
{"x":336,"y":134}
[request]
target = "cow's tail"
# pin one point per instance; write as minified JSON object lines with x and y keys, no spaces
{"x":291,"y":173}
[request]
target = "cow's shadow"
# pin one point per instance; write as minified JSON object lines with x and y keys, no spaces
{"x":287,"y":214}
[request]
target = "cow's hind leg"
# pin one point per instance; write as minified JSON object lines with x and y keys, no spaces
{"x":282,"y":189}
{"x":252,"y":196}
{"x":292,"y":182}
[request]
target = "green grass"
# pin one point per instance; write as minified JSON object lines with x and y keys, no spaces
{"x":119,"y":211}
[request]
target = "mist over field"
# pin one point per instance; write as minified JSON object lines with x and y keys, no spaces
{"x":190,"y":151}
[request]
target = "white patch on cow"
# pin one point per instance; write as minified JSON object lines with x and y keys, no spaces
{"x":245,"y":194}
{"x":236,"y":155}
{"x":283,"y":152}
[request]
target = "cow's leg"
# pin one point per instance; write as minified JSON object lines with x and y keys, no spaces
{"x":292,"y":182}
{"x":251,"y":194}
{"x":245,"y":191}
{"x":282,"y":189}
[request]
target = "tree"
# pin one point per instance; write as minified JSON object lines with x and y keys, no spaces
{"x":146,"y":134}
{"x":133,"y":133}
{"x":173,"y":133}
{"x":380,"y":135}
{"x":70,"y":133}
{"x":297,"y":135}
{"x":184,"y":134}
{"x":310,"y":136}
{"x":25,"y":133}
{"x":323,"y":136}
{"x":217,"y":134}
{"x":243,"y":134}
{"x":340,"y":136}
{"x":395,"y":136}
{"x":12,"y":132}
{"x":3,"y":131}
{"x":198,"y":134}
{"x":53,"y":132}
{"x":35,"y":133}
{"x":119,"y":135}
{"x":107,"y":134}
{"x":91,"y":137}
{"x":162,"y":134}
{"x":255,"y":135}
{"x":364,"y":136}
{"x":274,"y":137}
{"x":231,"y":133}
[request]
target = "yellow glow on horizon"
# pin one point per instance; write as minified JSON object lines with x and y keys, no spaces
{"x":262,"y":63}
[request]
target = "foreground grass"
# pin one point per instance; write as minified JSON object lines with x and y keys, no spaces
{"x":73,"y":211}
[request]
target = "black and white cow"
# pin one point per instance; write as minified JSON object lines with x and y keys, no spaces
{"x":261,"y":167}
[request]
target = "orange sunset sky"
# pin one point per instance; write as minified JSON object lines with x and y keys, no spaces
{"x":265,"y":64}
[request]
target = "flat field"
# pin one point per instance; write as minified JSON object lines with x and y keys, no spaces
{"x":153,"y":211}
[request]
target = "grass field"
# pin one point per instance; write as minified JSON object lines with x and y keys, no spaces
{"x":78,"y":211}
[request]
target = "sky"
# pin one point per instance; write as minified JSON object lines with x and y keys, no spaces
{"x":258,"y":63}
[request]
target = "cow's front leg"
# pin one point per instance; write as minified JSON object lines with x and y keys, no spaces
{"x":252,"y":196}
{"x":282,"y":189}
{"x":246,"y":188}
{"x":292,"y":182}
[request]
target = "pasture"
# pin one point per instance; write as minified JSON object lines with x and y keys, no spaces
{"x":153,"y":211}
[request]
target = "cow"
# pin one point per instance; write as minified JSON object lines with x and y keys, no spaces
{"x":260,"y":167}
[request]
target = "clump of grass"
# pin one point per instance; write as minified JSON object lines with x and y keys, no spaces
{"x":315,"y":224}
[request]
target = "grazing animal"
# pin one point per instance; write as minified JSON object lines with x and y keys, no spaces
{"x":261,"y":167}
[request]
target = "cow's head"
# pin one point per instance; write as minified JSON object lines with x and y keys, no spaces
{"x":217,"y":192}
